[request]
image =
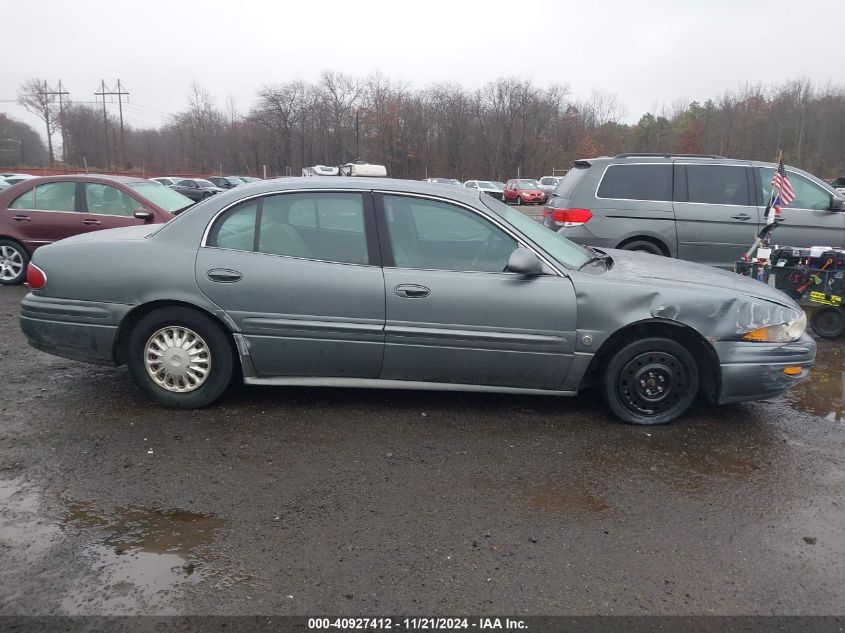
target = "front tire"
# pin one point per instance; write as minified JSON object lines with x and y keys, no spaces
{"x":180,"y":357}
{"x":13,"y":263}
{"x":652,"y":381}
{"x":828,"y":322}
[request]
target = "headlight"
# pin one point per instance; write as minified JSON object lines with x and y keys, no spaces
{"x":780,"y":333}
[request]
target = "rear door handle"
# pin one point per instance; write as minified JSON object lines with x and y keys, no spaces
{"x":224,"y":275}
{"x":411,"y":291}
{"x":741,"y":216}
{"x":23,"y":218}
{"x":91,"y":222}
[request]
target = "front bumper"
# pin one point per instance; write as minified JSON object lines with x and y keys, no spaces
{"x":754,"y":371}
{"x":78,"y":330}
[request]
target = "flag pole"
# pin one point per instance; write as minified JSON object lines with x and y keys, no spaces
{"x":758,"y":240}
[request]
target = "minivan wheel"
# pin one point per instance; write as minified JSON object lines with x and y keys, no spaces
{"x":180,"y":357}
{"x":643,"y":245}
{"x":828,"y":322}
{"x":652,"y":381}
{"x":13,"y":262}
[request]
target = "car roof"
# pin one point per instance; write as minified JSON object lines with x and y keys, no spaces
{"x":362,"y":184}
{"x":89,"y":178}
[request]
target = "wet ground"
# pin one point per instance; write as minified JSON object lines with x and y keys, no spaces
{"x":315,"y":501}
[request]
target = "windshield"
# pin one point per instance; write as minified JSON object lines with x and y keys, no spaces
{"x":484,"y":184}
{"x":162,"y":196}
{"x":527,"y":185}
{"x":568,"y":254}
{"x":204,"y":183}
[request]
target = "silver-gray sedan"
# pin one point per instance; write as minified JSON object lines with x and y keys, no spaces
{"x":399,"y":284}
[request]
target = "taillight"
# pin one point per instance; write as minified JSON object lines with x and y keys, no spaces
{"x":35,"y":277}
{"x":571,"y":217}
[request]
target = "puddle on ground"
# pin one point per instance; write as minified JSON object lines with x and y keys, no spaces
{"x":21,"y":525}
{"x":692,"y":459}
{"x":140,"y":556}
{"x":824,"y":393}
{"x":571,"y":498}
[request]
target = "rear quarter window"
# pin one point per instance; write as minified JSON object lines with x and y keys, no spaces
{"x":637,"y":182}
{"x":567,"y":185}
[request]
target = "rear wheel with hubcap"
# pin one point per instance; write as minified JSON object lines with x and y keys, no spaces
{"x":180,"y":357}
{"x":652,"y":381}
{"x":13,"y":261}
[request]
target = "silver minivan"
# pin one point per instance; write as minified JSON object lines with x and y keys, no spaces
{"x":701,"y":208}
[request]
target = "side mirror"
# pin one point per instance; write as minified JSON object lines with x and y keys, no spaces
{"x":524,"y":262}
{"x":143,"y":214}
{"x":837,"y":204}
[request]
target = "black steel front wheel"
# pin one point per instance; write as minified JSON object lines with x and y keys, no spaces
{"x":652,"y":381}
{"x":828,"y":322}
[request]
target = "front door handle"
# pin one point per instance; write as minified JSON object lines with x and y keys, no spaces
{"x":23,"y":218}
{"x":411,"y":291}
{"x":91,"y":222}
{"x":741,"y":216}
{"x":224,"y":275}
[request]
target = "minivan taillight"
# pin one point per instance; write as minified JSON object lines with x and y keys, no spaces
{"x":571,"y":217}
{"x":35,"y":277}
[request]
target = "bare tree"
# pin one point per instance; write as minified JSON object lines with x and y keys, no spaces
{"x":35,"y":96}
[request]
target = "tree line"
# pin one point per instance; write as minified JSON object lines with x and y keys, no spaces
{"x":506,"y":127}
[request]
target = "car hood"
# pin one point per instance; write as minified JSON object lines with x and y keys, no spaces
{"x":637,"y":267}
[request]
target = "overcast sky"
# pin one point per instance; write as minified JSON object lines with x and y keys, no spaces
{"x":649,"y":53}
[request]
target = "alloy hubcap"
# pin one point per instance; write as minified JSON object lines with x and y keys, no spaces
{"x":652,"y":383}
{"x":177,"y":359}
{"x":11,"y":263}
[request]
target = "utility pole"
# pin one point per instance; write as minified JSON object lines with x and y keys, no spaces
{"x":102,"y":93}
{"x":120,"y":94}
{"x":60,"y":93}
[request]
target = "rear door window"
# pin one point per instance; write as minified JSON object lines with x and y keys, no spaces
{"x":53,"y":196}
{"x":718,"y":184}
{"x":635,"y":182}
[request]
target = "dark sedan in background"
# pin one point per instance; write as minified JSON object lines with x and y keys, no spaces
{"x":356,"y":282}
{"x":197,"y":188}
{"x":39,"y":211}
{"x":225,"y":182}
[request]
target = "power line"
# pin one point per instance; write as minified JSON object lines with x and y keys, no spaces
{"x":119,"y":93}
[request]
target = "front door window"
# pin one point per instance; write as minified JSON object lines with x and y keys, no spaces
{"x":428,"y":234}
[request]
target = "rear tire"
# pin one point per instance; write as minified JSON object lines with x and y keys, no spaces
{"x":644,"y":246}
{"x":652,"y":381}
{"x":13,"y":262}
{"x":828,"y":322}
{"x":180,"y":357}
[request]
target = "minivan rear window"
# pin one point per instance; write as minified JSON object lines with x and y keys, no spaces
{"x":637,"y":182}
{"x":566,"y":187}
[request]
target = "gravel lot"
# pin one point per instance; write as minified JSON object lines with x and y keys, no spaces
{"x":315,"y":501}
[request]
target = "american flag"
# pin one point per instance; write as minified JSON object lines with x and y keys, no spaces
{"x":785,"y":192}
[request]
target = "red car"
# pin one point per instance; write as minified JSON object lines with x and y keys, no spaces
{"x":39,"y":211}
{"x":523,"y":192}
